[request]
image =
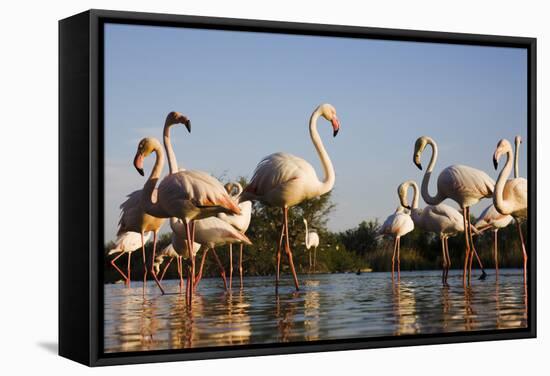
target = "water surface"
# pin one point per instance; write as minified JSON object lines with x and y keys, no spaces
{"x":328,"y":306}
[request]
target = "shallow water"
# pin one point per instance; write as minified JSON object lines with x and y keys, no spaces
{"x":328,"y":306}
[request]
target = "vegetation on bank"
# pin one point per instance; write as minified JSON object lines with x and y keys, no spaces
{"x":358,"y":248}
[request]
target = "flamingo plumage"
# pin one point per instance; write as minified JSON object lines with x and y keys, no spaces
{"x":463,"y":184}
{"x":312,"y":241}
{"x":126,"y":243}
{"x":510,"y":196}
{"x":397,"y":225}
{"x":284,"y":180}
{"x":443,"y":220}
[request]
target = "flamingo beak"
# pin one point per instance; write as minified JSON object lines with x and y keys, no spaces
{"x":416,"y":160}
{"x":138,"y":163}
{"x":335,"y":125}
{"x":187,"y":124}
{"x":495,"y":161}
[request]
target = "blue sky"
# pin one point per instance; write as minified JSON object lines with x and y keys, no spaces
{"x":251,"y":94}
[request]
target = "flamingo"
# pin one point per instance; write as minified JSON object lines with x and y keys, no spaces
{"x":284,"y":180}
{"x":186,"y":195}
{"x":211,"y":232}
{"x":510,"y":196}
{"x":127,"y":242}
{"x":463,"y":184}
{"x":312,"y":241}
{"x":133,"y":216}
{"x":241,"y":223}
{"x":441,"y":219}
{"x":177,"y":249}
{"x":490,"y":218}
{"x":397,"y":225}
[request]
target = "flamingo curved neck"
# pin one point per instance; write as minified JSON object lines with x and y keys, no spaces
{"x":416,"y":212}
{"x":430,"y":200}
{"x":149,"y":206}
{"x":503,"y":206}
{"x":172,"y":162}
{"x":328,"y":182}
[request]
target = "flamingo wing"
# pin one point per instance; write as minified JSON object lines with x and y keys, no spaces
{"x":468,"y":181}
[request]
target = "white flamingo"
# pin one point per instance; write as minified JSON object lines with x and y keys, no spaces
{"x":397,"y":225}
{"x":510,"y":196}
{"x":284,"y":180}
{"x":312,"y":241}
{"x":133,"y":216}
{"x":176,"y":250}
{"x":210,"y":233}
{"x":463,"y":184}
{"x":127,"y":243}
{"x":490,"y":218}
{"x":241,"y":222}
{"x":187,"y":195}
{"x":443,"y":220}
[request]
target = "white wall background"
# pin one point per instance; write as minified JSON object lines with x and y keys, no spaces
{"x":28,"y":212}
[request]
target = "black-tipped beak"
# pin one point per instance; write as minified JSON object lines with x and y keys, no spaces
{"x":335,"y":132}
{"x":495,"y":162}
{"x":138,"y":163}
{"x":417,"y":164}
{"x":140,"y":170}
{"x":188,"y":125}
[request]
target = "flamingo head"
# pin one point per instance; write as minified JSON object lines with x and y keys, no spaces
{"x":503,"y":147}
{"x":329,"y":112}
{"x":517,"y":140}
{"x":419,"y":147}
{"x":178,"y":118}
{"x":305,"y":221}
{"x":402,"y":193}
{"x":145,"y":147}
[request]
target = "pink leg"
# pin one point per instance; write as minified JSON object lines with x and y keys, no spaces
{"x":191,"y":280}
{"x":524,"y":252}
{"x":128,"y":268}
{"x":144,"y":263}
{"x":166,"y":268}
{"x":241,"y":264}
{"x":279,"y":256}
{"x":393,"y":257}
{"x":398,"y":259}
{"x":230,"y":265}
{"x":465,"y":214}
{"x":222,"y":271}
{"x":315,"y":260}
{"x":118,"y":269}
{"x":199,"y":277}
{"x":155,"y":234}
{"x":448,"y":260}
{"x":495,"y":250}
{"x":288,"y":251}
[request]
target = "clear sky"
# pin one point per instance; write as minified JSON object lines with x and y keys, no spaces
{"x":251,"y":94}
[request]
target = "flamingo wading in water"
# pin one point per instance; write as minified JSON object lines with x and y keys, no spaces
{"x":241,"y":222}
{"x":443,"y":220}
{"x":284,"y":180}
{"x":187,"y":195}
{"x":510,"y":196}
{"x":312,"y":241}
{"x":397,"y":225}
{"x":463,"y":184}
{"x":127,"y":242}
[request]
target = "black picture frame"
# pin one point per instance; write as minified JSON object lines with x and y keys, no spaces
{"x":81,"y":182}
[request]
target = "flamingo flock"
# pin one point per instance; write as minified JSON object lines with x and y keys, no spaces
{"x":204,"y":214}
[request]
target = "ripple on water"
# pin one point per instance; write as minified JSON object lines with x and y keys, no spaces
{"x":328,"y":306}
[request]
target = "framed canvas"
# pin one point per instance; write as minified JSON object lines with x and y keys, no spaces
{"x":294,"y":143}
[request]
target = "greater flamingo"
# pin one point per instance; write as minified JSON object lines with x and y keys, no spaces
{"x":187,"y":195}
{"x":443,"y":220}
{"x":127,"y":243}
{"x":241,"y":222}
{"x":490,"y":218}
{"x":463,"y":184}
{"x":510,"y":196}
{"x":177,"y":249}
{"x":312,"y":241}
{"x":397,"y":225}
{"x":284,"y":180}
{"x":133,"y":216}
{"x":211,"y":232}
